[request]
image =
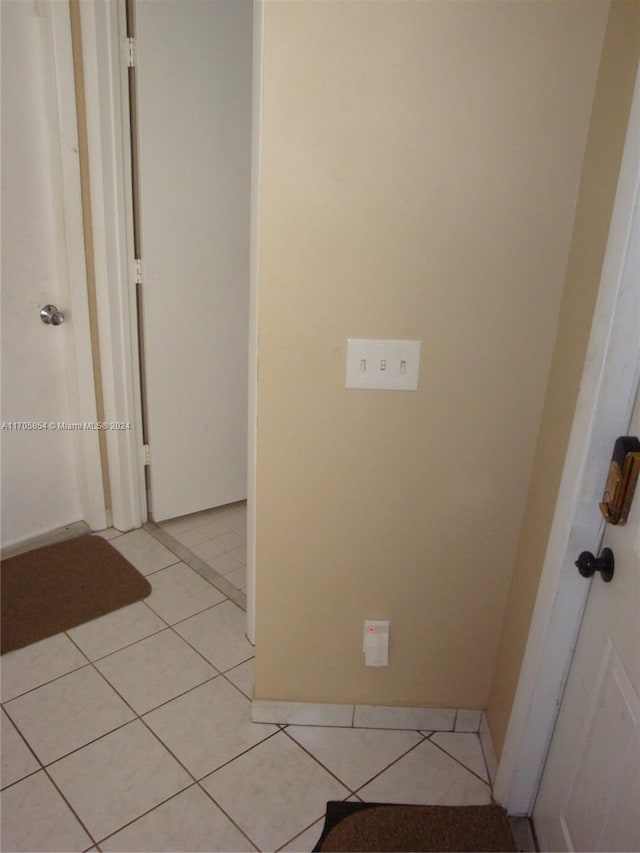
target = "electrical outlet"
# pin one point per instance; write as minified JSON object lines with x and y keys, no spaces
{"x":375,"y":642}
{"x":383,"y":365}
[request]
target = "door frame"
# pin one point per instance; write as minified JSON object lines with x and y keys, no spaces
{"x":109,"y":180}
{"x":254,"y":271}
{"x":72,"y":267}
{"x":602,"y":413}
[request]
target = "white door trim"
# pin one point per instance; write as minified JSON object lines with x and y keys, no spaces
{"x":72,"y":263}
{"x":110,"y":171}
{"x":252,"y":433}
{"x":605,"y":399}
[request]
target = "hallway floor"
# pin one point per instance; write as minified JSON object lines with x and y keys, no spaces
{"x":217,"y":536}
{"x":134,"y":732}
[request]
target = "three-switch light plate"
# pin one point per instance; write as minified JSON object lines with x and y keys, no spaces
{"x":383,"y":365}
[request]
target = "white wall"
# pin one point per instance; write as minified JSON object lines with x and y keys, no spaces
{"x":39,"y":470}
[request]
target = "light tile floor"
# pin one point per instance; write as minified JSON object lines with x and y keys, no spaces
{"x":134,"y":732}
{"x":218,"y":536}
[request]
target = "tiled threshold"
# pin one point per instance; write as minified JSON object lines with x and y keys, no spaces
{"x":220,"y":582}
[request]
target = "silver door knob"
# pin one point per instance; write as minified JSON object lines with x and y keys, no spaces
{"x":51,"y":316}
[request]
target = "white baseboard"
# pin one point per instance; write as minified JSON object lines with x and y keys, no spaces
{"x":60,"y":534}
{"x":366,"y":716}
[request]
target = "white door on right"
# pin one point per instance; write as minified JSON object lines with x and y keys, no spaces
{"x":589,"y":798}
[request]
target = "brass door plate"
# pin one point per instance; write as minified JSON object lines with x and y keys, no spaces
{"x":622,"y":480}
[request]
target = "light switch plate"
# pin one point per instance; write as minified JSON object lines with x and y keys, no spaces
{"x":383,"y":365}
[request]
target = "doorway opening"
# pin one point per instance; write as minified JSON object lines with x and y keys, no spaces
{"x":190,"y":149}
{"x":190,"y":139}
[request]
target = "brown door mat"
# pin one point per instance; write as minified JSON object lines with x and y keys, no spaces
{"x":385,"y":827}
{"x":55,"y":588}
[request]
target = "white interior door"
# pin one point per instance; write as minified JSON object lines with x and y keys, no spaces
{"x":194,"y":80}
{"x":589,"y":796}
{"x":40,"y":488}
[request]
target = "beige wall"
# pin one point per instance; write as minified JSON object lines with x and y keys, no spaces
{"x":597,"y":189}
{"x":421,"y":163}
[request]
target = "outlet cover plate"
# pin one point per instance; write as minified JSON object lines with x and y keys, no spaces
{"x":383,"y":365}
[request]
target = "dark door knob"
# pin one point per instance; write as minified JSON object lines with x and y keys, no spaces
{"x":588,"y":565}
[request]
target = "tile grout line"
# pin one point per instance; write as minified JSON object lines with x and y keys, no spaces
{"x":22,"y":778}
{"x":307,"y":828}
{"x":486,"y":764}
{"x":461,"y":763}
{"x":317,"y":760}
{"x":128,"y":645}
{"x":222,"y":515}
{"x":353,"y":792}
{"x":194,"y":784}
{"x":302,"y":832}
{"x":215,"y":539}
{"x":26,"y":743}
{"x":228,"y":680}
{"x":185,"y":618}
{"x":239,"y":754}
{"x":69,"y":806}
{"x":156,"y":571}
{"x":147,"y":812}
{"x":399,"y":758}
{"x":227,"y":815}
{"x":5,"y":702}
{"x":210,"y":515}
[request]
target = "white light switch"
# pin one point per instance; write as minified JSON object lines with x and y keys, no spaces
{"x":383,"y":365}
{"x":375,"y":642}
